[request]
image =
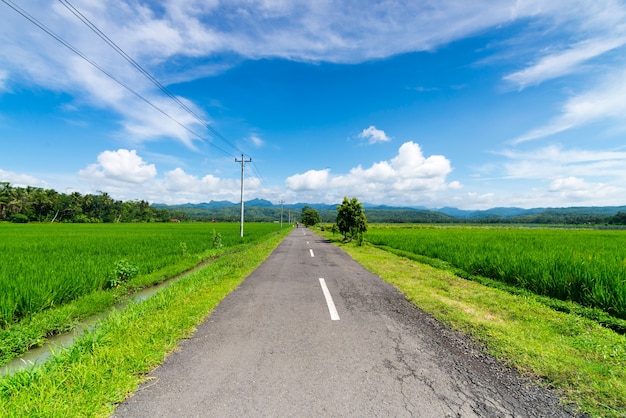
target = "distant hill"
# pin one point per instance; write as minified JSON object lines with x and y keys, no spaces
{"x":517,"y":212}
{"x":261,"y":210}
{"x":494,"y":212}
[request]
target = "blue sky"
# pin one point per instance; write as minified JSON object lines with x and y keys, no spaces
{"x":407,"y":103}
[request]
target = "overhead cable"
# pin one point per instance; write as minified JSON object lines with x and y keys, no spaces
{"x":143,"y":71}
{"x":41,"y":26}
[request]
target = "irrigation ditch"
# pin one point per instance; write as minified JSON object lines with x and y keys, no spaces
{"x":54,"y":343}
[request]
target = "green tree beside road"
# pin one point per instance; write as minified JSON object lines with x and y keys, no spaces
{"x":351,"y":219}
{"x":310,"y":216}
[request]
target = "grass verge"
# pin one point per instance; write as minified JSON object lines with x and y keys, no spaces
{"x":616,"y":324}
{"x":106,"y":365}
{"x":582,"y":360}
{"x":34,"y":330}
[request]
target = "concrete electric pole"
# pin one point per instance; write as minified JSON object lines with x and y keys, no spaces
{"x":242,"y":161}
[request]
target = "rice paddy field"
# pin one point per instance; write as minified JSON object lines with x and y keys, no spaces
{"x":46,"y":265}
{"x":586,"y":266}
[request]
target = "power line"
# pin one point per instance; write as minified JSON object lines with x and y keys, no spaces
{"x":137,"y":66}
{"x":41,"y":26}
{"x":258,"y":173}
{"x":143,"y":71}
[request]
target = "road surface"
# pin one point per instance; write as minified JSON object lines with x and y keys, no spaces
{"x":311,"y":333}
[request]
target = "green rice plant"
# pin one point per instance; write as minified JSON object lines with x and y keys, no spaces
{"x":584,"y":266}
{"x":47,"y":265}
{"x":106,"y":365}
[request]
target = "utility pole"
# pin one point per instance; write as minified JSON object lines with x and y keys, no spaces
{"x":242,"y":161}
{"x":282,"y":202}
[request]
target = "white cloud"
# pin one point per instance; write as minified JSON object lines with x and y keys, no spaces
{"x":554,"y":162}
{"x":423,"y":89}
{"x":565,"y":62}
{"x":301,"y":30}
{"x":570,"y":177}
{"x":31,"y":57}
{"x":189,"y":36}
{"x":126,"y":176}
{"x":256,"y":141}
{"x":337,"y":32}
{"x":119,"y":166}
{"x":177,"y":180}
{"x":550,"y":176}
{"x":574,"y":189}
{"x":373,"y":135}
{"x":603,"y":102}
{"x":145,"y":123}
{"x":3,"y":80}
{"x":177,"y":186}
{"x":20,"y":179}
{"x":585,"y":39}
{"x":409,"y":177}
{"x":555,"y":193}
{"x":311,"y":180}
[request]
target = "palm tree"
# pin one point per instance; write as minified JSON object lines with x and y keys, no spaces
{"x":40,"y":203}
{"x":5,"y":197}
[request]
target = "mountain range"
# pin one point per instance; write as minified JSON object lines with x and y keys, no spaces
{"x":445,"y":214}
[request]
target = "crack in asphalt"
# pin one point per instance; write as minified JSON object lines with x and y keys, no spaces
{"x":481,"y":385}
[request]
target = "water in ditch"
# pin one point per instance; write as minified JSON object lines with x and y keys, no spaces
{"x":55,"y":343}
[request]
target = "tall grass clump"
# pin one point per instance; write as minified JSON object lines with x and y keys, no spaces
{"x":584,"y":266}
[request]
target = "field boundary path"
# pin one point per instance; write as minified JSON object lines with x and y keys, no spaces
{"x":312,"y":333}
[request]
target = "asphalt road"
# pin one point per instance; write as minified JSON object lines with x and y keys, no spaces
{"x":276,"y":348}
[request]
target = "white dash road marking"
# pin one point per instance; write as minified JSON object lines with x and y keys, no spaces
{"x":311,"y":250}
{"x":329,"y":301}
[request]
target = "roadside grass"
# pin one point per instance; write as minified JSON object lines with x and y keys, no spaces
{"x":576,"y":356}
{"x":106,"y":365}
{"x":32,"y":331}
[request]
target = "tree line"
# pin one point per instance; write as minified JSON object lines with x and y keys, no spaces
{"x":36,"y":204}
{"x":555,"y":217}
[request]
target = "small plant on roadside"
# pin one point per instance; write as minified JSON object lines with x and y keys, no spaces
{"x":122,"y":272}
{"x":217,"y":240}
{"x":359,"y":240}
